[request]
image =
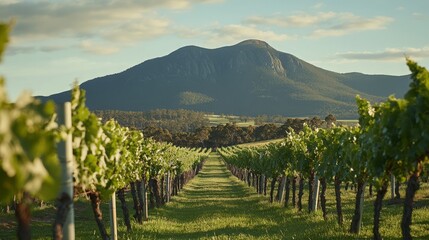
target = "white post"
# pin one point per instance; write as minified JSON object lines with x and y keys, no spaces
{"x":145,"y":203}
{"x":65,"y":153}
{"x":315,"y":193}
{"x":113,"y":224}
{"x":362,"y":198}
{"x":282,"y":188}
{"x":168,"y":187}
{"x":392,"y":186}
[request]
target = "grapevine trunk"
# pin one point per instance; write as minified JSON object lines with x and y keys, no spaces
{"x":287,"y":191}
{"x":323,"y":198}
{"x":310,"y":191}
{"x":141,"y":202}
{"x":273,"y":185}
{"x":412,"y":186}
{"x":357,"y":216}
{"x":95,"y":204}
{"x":121,"y":197}
{"x":137,"y":214}
{"x":300,"y":192}
{"x":294,"y":191}
{"x":23,"y":217}
{"x":63,"y":208}
{"x":337,"y":184}
{"x":378,"y":204}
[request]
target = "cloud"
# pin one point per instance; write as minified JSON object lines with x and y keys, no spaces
{"x":235,"y":33}
{"x":119,"y":21}
{"x":7,"y":2}
{"x":318,"y":5}
{"x":97,"y":48}
{"x":135,"y":31}
{"x":216,"y":34}
{"x":20,"y":50}
{"x":15,"y":50}
{"x":390,"y":54}
{"x":323,"y":24}
{"x":298,"y":20}
{"x":355,"y":25}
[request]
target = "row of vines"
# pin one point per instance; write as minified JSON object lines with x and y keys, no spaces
{"x":107,"y":159}
{"x":392,"y":140}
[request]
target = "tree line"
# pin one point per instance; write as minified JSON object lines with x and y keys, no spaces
{"x":174,"y":121}
{"x":231,"y":134}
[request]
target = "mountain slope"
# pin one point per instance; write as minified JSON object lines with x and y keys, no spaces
{"x":249,"y":78}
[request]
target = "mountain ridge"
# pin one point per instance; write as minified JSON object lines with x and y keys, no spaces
{"x":248,"y":78}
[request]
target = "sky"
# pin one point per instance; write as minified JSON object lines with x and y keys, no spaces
{"x":55,"y":43}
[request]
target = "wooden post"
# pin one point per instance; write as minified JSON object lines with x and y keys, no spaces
{"x":113,"y":223}
{"x":65,"y":153}
{"x":392,"y":186}
{"x":315,"y":193}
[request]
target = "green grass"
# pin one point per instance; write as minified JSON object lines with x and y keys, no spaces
{"x":260,"y":143}
{"x":216,"y":205}
{"x":224,"y":119}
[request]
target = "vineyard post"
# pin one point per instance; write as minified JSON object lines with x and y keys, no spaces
{"x":66,"y":160}
{"x":145,"y":202}
{"x":261,"y":184}
{"x":282,"y":188}
{"x":392,"y":186}
{"x":362,"y":198}
{"x":113,"y":223}
{"x":167,"y":189}
{"x":315,"y":193}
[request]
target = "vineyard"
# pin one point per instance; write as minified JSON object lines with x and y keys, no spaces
{"x":96,"y":161}
{"x":67,"y":156}
{"x":391,"y":142}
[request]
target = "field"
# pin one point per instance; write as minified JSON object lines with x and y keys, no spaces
{"x":260,"y":143}
{"x":216,"y":205}
{"x":215,"y":120}
{"x":224,"y":119}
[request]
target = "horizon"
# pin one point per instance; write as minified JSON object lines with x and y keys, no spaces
{"x":55,"y":43}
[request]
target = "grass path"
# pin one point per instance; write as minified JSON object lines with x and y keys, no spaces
{"x":214,"y":204}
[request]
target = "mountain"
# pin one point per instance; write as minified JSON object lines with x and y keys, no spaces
{"x":249,"y":78}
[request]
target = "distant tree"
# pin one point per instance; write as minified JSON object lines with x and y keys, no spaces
{"x":265,"y":132}
{"x":182,"y":139}
{"x":282,"y":131}
{"x":158,"y":134}
{"x":246,"y":134}
{"x":330,"y":120}
{"x":223,"y":135}
{"x":200,"y":137}
{"x":295,"y":123}
{"x":314,"y":122}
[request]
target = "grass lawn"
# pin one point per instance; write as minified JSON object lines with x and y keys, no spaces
{"x":216,"y":205}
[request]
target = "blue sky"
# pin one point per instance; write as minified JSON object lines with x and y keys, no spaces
{"x":57,"y":42}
